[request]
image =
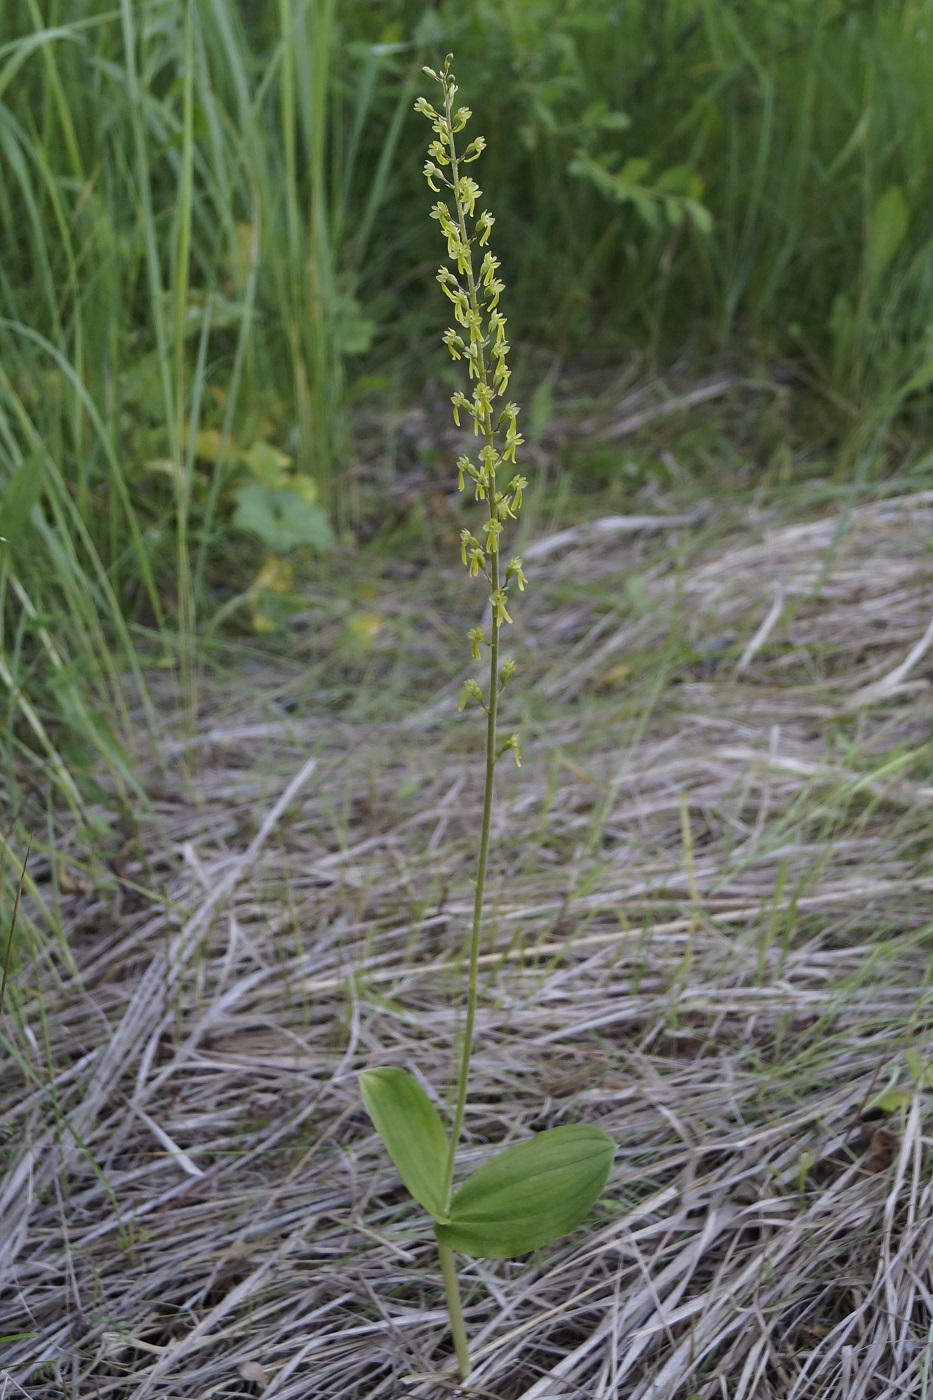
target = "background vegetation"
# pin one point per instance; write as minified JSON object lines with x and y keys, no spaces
{"x":215,"y":265}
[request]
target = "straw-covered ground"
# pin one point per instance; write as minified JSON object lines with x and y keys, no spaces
{"x":710,"y":931}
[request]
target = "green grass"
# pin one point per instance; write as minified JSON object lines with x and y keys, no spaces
{"x":797,"y":119}
{"x":179,"y":259}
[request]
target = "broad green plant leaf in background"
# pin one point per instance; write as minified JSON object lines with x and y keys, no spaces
{"x":531,"y":1194}
{"x":410,"y":1126}
{"x":267,"y":464}
{"x":281,"y":519}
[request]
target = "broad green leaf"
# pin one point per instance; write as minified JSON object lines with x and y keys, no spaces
{"x":892,"y":1099}
{"x":409,"y":1125}
{"x":676,"y":179}
{"x":281,"y":519}
{"x":531,"y":1194}
{"x":267,"y":464}
{"x":634,"y":171}
{"x":887,"y":229}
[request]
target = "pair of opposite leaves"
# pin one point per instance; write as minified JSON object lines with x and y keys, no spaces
{"x":529,"y":1195}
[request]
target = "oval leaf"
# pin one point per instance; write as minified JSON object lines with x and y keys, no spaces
{"x":531,"y":1194}
{"x":410,"y":1126}
{"x":281,"y":519}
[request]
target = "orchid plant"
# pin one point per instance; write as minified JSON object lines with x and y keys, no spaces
{"x":532,"y":1192}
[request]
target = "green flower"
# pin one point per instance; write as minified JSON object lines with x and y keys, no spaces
{"x":500,"y":612}
{"x":471,"y":691}
{"x":515,"y":571}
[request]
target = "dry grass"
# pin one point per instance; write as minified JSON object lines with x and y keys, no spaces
{"x":712,"y":910}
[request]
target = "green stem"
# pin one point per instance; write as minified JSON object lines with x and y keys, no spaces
{"x":454,"y":1309}
{"x":473,"y":979}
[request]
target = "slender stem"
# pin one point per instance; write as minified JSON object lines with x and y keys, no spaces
{"x":473,"y":979}
{"x":455,"y":1309}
